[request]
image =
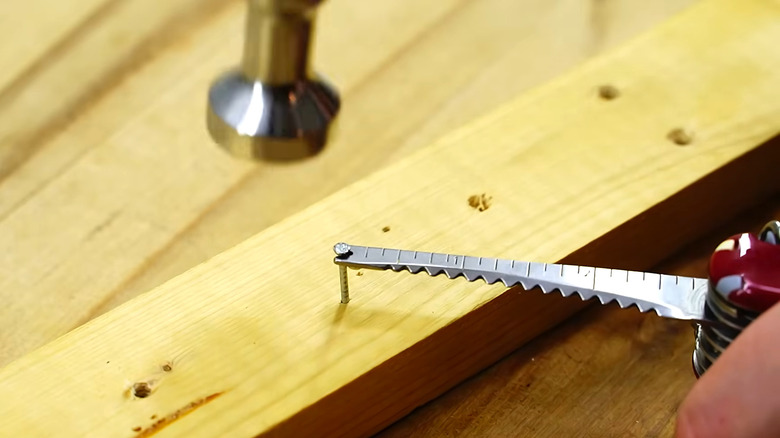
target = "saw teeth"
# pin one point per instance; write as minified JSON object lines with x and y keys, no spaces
{"x":587,"y":295}
{"x":489,"y":278}
{"x":567,"y":292}
{"x":450,"y":273}
{"x":433,"y":271}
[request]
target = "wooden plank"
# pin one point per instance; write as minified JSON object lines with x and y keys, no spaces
{"x":117,"y":171}
{"x":254,"y":340}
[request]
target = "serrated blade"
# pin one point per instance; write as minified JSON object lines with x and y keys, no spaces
{"x":669,"y":296}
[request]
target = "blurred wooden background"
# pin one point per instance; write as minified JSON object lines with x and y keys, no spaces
{"x":109,"y":184}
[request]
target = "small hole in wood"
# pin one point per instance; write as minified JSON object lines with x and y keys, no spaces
{"x":167,"y":367}
{"x":680,"y":137}
{"x":608,"y":92}
{"x":480,"y":202}
{"x":142,"y":389}
{"x":137,"y":429}
{"x":386,"y":229}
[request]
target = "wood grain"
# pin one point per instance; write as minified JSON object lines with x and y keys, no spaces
{"x":82,"y":53}
{"x":253,"y":339}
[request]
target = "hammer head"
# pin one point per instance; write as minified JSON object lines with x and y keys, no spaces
{"x":270,"y":122}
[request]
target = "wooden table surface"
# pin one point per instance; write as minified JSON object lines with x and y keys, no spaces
{"x":109,"y":184}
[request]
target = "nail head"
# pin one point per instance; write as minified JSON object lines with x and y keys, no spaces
{"x":342,"y":249}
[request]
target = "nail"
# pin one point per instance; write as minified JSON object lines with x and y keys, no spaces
{"x":342,"y":249}
{"x":344,"y":284}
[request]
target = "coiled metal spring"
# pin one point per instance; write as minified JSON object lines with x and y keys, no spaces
{"x":712,"y":339}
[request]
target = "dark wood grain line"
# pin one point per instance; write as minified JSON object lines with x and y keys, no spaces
{"x":101,"y":306}
{"x":404,"y":49}
{"x":22,"y":150}
{"x":173,"y":31}
{"x":598,"y":23}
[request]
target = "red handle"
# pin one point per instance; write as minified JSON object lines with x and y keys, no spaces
{"x":745,"y":269}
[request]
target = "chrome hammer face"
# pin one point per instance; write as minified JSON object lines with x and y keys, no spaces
{"x":273,"y":107}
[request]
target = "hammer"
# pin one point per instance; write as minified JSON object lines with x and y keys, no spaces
{"x":273,"y":107}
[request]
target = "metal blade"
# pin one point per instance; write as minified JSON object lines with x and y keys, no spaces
{"x":669,"y":296}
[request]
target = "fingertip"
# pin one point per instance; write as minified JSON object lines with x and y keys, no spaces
{"x":697,"y":418}
{"x":738,"y":396}
{"x":683,"y":428}
{"x":688,"y":426}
